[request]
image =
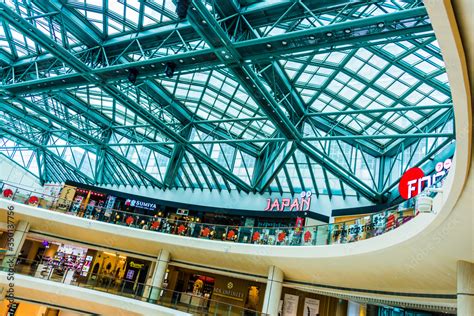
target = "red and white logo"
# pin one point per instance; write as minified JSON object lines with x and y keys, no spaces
{"x":414,"y":180}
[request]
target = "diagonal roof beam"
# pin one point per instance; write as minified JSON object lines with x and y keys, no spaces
{"x":98,"y":143}
{"x":25,"y":27}
{"x":83,"y":32}
{"x":219,"y":40}
{"x":26,"y":140}
{"x":249,"y":50}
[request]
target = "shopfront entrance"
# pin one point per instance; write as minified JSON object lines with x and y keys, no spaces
{"x":74,"y":264}
{"x":214,"y":292}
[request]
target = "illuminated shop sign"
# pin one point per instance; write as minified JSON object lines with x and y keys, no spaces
{"x":414,"y":180}
{"x":140,"y":204}
{"x":229,"y":291}
{"x":302,"y":203}
{"x":136,"y":265}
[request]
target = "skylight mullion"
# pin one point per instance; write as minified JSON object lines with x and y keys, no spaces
{"x":298,"y":172}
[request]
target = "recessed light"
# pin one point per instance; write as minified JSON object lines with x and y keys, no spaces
{"x":269,"y":45}
{"x":347,"y":31}
{"x":312,"y":37}
{"x":329,"y":34}
{"x":284,"y":42}
{"x":380,"y":24}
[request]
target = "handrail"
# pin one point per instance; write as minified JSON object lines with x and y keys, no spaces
{"x":323,"y":234}
{"x":45,"y":269}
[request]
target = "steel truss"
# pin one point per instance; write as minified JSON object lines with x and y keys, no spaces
{"x":280,"y":96}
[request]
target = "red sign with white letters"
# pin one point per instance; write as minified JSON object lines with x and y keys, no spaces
{"x":414,"y":180}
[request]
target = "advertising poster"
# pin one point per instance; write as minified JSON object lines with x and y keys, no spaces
{"x":311,"y":307}
{"x":290,"y":305}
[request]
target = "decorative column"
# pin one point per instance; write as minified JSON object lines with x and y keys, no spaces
{"x":273,"y":291}
{"x":159,"y":275}
{"x":15,"y":241}
{"x":465,"y":288}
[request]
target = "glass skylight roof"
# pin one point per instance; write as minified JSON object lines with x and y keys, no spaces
{"x":337,"y":110}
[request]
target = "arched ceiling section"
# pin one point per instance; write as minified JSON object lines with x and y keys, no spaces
{"x":267,"y":96}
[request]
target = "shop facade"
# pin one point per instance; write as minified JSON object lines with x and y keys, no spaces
{"x":119,"y":207}
{"x":70,"y":264}
{"x":208,"y":290}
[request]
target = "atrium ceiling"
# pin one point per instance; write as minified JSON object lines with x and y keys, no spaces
{"x":257,"y":96}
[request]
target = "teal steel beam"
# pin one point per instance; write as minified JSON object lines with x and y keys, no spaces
{"x":26,"y":140}
{"x":179,"y":152}
{"x":382,"y":110}
{"x":71,"y":20}
{"x":342,"y":173}
{"x":250,"y":50}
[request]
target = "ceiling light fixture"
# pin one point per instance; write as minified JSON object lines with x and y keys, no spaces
{"x":133,"y":75}
{"x":169,"y":69}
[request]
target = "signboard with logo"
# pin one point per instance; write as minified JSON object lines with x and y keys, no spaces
{"x":229,"y":291}
{"x":140,"y":204}
{"x":182,"y":211}
{"x":414,"y":180}
{"x":302,"y":203}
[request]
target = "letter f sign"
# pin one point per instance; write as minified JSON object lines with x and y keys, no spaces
{"x":411,"y":187}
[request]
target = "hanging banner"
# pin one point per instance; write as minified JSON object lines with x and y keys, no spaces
{"x":109,"y":205}
{"x":290,"y":305}
{"x":299,"y":225}
{"x":311,"y":307}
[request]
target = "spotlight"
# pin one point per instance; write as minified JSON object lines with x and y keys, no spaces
{"x":182,"y":8}
{"x":347,"y":31}
{"x":132,"y":75}
{"x":169,"y":69}
{"x":329,"y":34}
{"x":380,"y":24}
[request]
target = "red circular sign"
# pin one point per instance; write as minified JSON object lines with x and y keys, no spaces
{"x":409,"y":175}
{"x":7,"y":193}
{"x":129,"y":220}
{"x":33,"y":200}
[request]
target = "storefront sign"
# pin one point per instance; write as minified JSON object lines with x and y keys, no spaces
{"x":414,"y":180}
{"x":286,"y":204}
{"x":229,"y":292}
{"x":136,"y":265}
{"x":290,"y":305}
{"x":182,"y":211}
{"x":229,"y":288}
{"x":140,"y":204}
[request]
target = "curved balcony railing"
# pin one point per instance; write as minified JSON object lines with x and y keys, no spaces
{"x":183,"y":301}
{"x":335,"y":233}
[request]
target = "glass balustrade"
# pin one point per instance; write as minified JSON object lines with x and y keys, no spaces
{"x":182,"y":301}
{"x":335,"y":233}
